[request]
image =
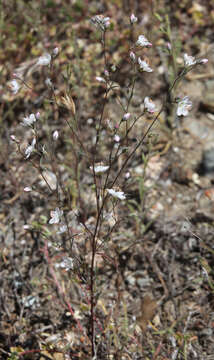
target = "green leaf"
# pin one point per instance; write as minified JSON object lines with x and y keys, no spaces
{"x":158,"y":17}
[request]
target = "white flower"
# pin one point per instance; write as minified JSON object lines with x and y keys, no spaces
{"x":101,"y":22}
{"x":144,"y":66}
{"x":44,"y":60}
{"x":189,"y":60}
{"x":117,"y":194}
{"x":132,"y":56}
{"x":99,"y":168}
{"x":55,"y":216}
{"x":30,"y":149}
{"x":30,"y":301}
{"x":66,"y":264}
{"x":29,"y":120}
{"x":149,"y":105}
{"x":55,"y":135}
{"x":184,"y":106}
{"x":142,"y":41}
{"x":62,"y":229}
{"x":133,"y":19}
{"x":14,"y":86}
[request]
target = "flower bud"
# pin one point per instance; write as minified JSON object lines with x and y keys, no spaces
{"x":203,"y":61}
{"x":116,"y":138}
{"x":55,"y":51}
{"x":13,"y":138}
{"x":100,"y":79}
{"x":169,"y":46}
{"x":132,"y":56}
{"x":106,"y":72}
{"x":126,"y":116}
{"x":48,"y":83}
{"x":27,"y":189}
{"x":55,"y":135}
{"x":133,"y":19}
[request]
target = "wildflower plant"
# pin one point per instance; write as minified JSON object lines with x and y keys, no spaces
{"x":107,"y":174}
{"x":173,"y":72}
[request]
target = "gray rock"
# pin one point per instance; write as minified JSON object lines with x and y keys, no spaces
{"x":207,"y":163}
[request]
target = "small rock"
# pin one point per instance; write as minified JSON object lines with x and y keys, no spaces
{"x":207,"y":163}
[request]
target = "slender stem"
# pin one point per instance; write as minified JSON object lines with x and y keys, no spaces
{"x":137,"y":146}
{"x":99,"y":210}
{"x":176,"y":80}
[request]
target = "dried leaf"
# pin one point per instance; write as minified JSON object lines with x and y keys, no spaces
{"x":69,"y":103}
{"x":148,"y":310}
